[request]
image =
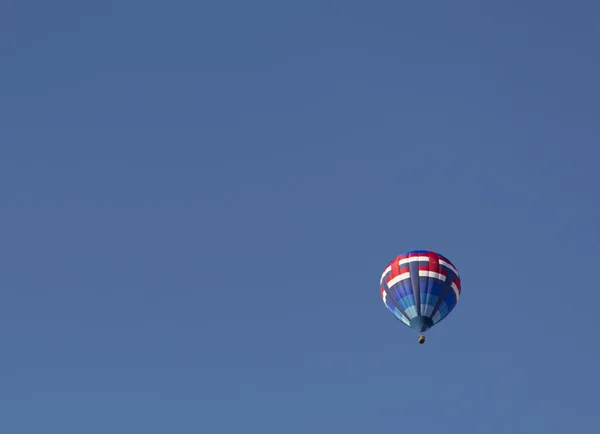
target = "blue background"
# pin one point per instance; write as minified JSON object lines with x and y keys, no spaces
{"x":198,"y":200}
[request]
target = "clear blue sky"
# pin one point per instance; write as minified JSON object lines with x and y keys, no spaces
{"x":198,"y":199}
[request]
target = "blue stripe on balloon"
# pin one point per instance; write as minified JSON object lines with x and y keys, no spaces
{"x":407,"y":302}
{"x":443,"y":310}
{"x":414,"y":281}
{"x":427,"y":308}
{"x":403,"y":300}
{"x":429,"y":285}
{"x":431,"y":289}
{"x":401,"y":317}
{"x":426,"y":285}
{"x":390,"y":304}
{"x":411,"y":312}
{"x":450,"y":298}
{"x":408,"y":290}
{"x":399,"y":294}
{"x":405,"y":290}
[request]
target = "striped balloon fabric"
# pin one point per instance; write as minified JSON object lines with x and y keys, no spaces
{"x":420,"y":288}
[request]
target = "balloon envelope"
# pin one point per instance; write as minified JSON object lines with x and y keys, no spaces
{"x":420,"y":288}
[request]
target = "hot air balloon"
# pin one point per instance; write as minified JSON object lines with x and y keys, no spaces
{"x":420,"y":288}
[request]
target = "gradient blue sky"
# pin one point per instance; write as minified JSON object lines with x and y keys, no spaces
{"x":198,"y":199}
